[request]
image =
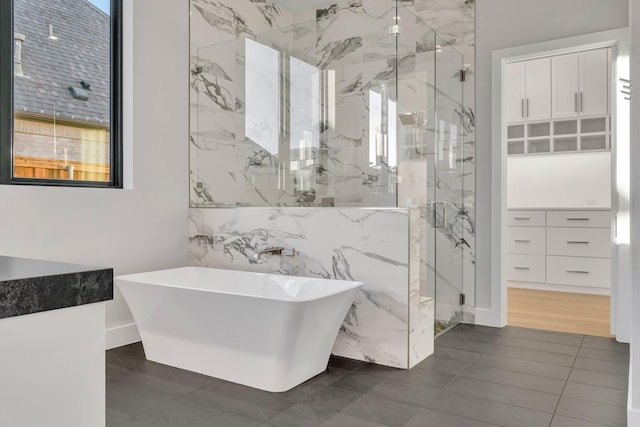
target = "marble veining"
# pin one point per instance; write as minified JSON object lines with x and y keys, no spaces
{"x":351,"y":244}
{"x":228,"y":169}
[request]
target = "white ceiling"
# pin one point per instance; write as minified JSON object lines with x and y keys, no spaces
{"x":297,"y":6}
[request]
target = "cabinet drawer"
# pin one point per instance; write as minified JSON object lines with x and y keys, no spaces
{"x":593,"y":272}
{"x":582,"y":242}
{"x":526,"y":268}
{"x":579,"y":219}
{"x":526,"y":218}
{"x":526,"y":240}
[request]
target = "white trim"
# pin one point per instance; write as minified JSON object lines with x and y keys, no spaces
{"x":488,"y":317}
{"x":496,"y":315}
{"x":633,"y":415}
{"x":121,"y":335}
{"x":127,"y":94}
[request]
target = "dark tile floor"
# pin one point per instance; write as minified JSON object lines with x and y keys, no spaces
{"x":478,"y":376}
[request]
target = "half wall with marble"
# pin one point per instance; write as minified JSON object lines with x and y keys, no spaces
{"x":389,"y":323}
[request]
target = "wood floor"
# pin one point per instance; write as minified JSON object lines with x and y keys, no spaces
{"x":559,"y":311}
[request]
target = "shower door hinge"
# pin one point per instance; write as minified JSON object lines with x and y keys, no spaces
{"x":463,"y":299}
{"x":463,"y":75}
{"x":394,"y":29}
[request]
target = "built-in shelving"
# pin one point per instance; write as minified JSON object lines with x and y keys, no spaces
{"x":559,"y":136}
{"x":559,"y":104}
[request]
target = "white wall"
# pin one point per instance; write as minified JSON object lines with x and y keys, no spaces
{"x":130,"y":230}
{"x":501,"y":24}
{"x":634,"y":380}
{"x":577,"y":180}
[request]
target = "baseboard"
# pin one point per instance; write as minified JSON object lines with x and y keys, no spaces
{"x":633,"y":417}
{"x":121,"y":335}
{"x":487,"y":317}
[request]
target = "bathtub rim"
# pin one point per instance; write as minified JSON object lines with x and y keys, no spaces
{"x":355,"y":284}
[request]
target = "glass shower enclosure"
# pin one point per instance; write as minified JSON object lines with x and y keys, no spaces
{"x":353,"y":110}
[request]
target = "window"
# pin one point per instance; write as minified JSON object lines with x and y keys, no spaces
{"x":61,"y":92}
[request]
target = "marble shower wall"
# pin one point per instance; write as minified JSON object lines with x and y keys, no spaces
{"x":229,"y":170}
{"x":214,"y":142}
{"x":454,"y":22}
{"x":369,"y":245}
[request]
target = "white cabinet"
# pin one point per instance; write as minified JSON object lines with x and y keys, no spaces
{"x":581,"y":242}
{"x":526,"y":268}
{"x":576,"y":271}
{"x":594,"y":82}
{"x":526,"y":240}
{"x":538,"y":89}
{"x":580,"y":84}
{"x":564,"y":250}
{"x":529,"y":90}
{"x":515,"y":92}
{"x":597,"y":219}
{"x":565,"y":86}
{"x":559,"y":104}
{"x":526,"y":219}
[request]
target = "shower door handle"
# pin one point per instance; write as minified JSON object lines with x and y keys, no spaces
{"x":440,"y":215}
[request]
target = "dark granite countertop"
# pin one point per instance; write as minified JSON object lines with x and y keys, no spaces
{"x":30,"y":286}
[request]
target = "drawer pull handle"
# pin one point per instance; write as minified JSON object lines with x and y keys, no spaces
{"x":578,"y":271}
{"x":522,"y":268}
{"x":577,"y":219}
{"x":522,"y":241}
{"x":577,"y":242}
{"x":522,"y":218}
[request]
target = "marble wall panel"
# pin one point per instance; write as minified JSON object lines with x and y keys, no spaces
{"x":369,"y":245}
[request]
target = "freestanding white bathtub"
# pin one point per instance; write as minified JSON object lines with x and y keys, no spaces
{"x":261,"y":330}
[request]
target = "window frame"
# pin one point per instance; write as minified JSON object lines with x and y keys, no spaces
{"x":7,"y":110}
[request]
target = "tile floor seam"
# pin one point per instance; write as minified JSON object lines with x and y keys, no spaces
{"x":603,"y":360}
{"x":456,"y":415}
{"x":530,"y":339}
{"x":534,"y":349}
{"x":566,"y":381}
{"x":515,"y":386}
{"x":593,"y":401}
{"x":581,"y":420}
{"x":196,"y":402}
{"x":507,"y":403}
{"x":528,"y":373}
{"x":488,"y":400}
{"x":597,"y":385}
{"x":529,"y":360}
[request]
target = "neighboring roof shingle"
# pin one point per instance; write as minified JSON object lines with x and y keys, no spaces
{"x":82,"y":52}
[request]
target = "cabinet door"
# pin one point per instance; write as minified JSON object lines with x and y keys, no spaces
{"x":594,"y":82}
{"x":538,"y":89}
{"x":515,"y":92}
{"x":565,"y":85}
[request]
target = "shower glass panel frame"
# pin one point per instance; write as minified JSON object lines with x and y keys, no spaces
{"x":304,"y":117}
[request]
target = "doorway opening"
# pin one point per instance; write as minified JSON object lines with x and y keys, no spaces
{"x":563,"y":188}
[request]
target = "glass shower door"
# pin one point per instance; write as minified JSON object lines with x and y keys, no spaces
{"x":430,"y":159}
{"x":446,"y":190}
